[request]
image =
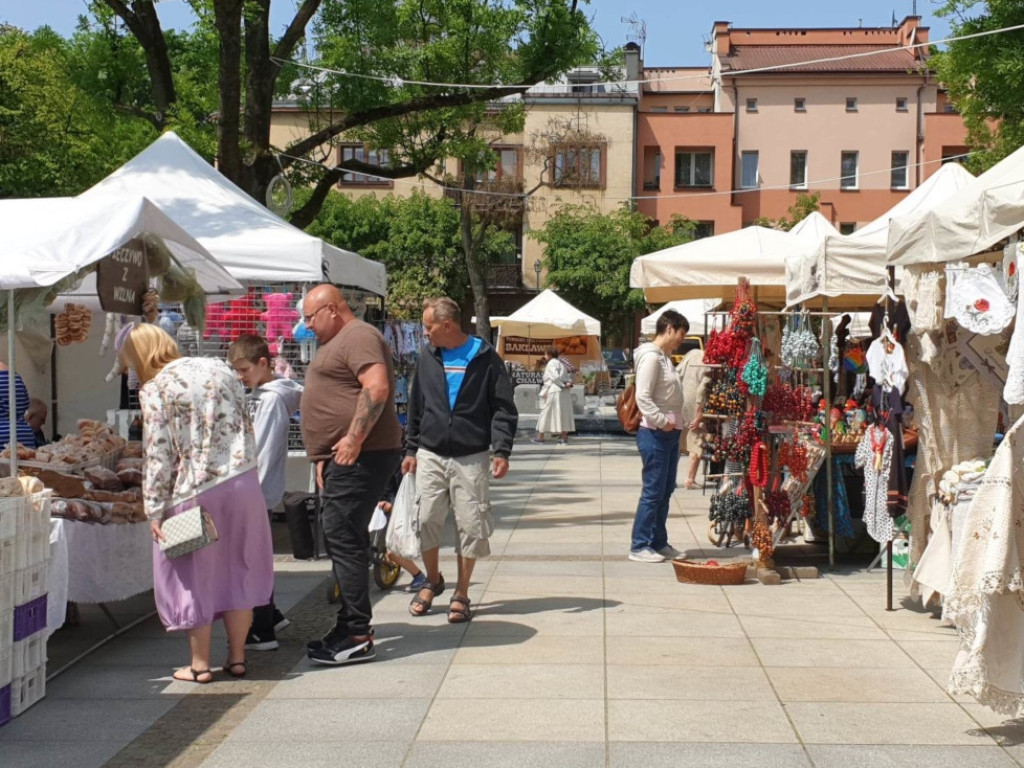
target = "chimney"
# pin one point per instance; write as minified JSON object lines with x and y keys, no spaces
{"x":633,"y":62}
{"x":720,"y":29}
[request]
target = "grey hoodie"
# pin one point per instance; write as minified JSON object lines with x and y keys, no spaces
{"x":271,"y":407}
{"x":658,"y":390}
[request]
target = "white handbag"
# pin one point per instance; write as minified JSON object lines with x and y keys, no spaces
{"x":187,"y":532}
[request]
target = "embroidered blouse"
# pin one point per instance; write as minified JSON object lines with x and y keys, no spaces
{"x":196,"y":431}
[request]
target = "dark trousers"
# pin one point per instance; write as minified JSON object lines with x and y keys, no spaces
{"x":350,"y":495}
{"x":263,"y":618}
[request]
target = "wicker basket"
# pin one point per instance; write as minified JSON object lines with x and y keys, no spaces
{"x":689,"y":572}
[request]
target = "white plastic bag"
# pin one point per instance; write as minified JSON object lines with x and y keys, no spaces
{"x":403,"y":537}
{"x":379,"y":521}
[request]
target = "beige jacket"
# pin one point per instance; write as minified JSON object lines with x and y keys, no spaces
{"x":659,"y":393}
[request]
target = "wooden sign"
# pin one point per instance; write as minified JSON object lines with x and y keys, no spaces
{"x":122,"y":278}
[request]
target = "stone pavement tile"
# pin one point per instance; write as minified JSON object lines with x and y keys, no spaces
{"x":817,"y":652}
{"x":707,"y":756}
{"x":836,"y":627}
{"x":1007,"y":731}
{"x":550,"y":569}
{"x":828,"y":756}
{"x":682,"y":651}
{"x":850,"y":723}
{"x":523,"y":681}
{"x":141,"y":651}
{"x":539,"y":533}
{"x":64,"y":720}
{"x":640,"y":582}
{"x":859,"y":684}
{"x":33,"y":754}
{"x":932,"y":654}
{"x":544,"y":586}
{"x":689,"y":683}
{"x":313,"y":720}
{"x":941,"y":678}
{"x":931,"y":632}
{"x":710,"y":600}
{"x":111,"y":682}
{"x":459,"y":754}
{"x":553,"y":549}
{"x":491,"y":618}
{"x":313,"y":754}
{"x":668,"y":623}
{"x":551,"y":720}
{"x":530,"y":649}
{"x":367,"y":681}
{"x":748,"y":722}
{"x":756,"y":601}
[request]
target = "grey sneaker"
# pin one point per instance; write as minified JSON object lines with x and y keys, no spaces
{"x":646,"y":555}
{"x":669,"y":552}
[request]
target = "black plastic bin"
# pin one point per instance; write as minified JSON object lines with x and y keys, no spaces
{"x":300,"y":513}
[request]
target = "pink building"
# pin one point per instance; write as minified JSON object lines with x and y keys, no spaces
{"x":852,"y":114}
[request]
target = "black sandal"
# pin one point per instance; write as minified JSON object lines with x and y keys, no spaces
{"x":229,"y":667}
{"x":459,"y":615}
{"x":425,"y":605}
{"x":196,"y":673}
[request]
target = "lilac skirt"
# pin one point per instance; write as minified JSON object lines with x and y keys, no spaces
{"x":234,"y":573}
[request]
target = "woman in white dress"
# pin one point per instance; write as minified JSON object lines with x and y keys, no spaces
{"x":556,"y":400}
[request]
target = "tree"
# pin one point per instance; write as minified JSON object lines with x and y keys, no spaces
{"x":985,"y":76}
{"x":588,"y":255}
{"x":804,"y":206}
{"x":393,"y":41}
{"x":54,"y":139}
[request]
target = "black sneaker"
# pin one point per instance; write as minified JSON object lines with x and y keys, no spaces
{"x":345,"y":650}
{"x":280,"y":622}
{"x":264,"y":641}
{"x":334,"y":635}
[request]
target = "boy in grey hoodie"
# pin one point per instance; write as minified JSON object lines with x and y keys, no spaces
{"x":271,"y":400}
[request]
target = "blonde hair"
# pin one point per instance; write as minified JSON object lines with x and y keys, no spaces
{"x":147,"y":350}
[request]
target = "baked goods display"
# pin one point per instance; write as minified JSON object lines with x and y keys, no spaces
{"x":83,"y":500}
{"x":72,"y":325}
{"x":94,"y":442}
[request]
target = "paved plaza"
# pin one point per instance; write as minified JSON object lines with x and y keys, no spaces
{"x":576,"y":658}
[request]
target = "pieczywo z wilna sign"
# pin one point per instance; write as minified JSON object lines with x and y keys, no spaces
{"x":122,"y":278}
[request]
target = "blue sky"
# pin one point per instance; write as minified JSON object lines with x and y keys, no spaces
{"x":675,"y":30}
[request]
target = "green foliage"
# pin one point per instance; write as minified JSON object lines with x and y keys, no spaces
{"x":55,"y":139}
{"x":985,"y":76}
{"x":417,"y":238}
{"x":588,"y":255}
{"x":804,"y":206}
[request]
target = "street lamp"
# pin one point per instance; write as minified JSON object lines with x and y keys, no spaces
{"x":537,"y":268}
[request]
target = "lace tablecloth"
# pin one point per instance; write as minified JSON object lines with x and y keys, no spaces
{"x":103,"y":563}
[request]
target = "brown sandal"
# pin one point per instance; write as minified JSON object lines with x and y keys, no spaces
{"x":459,"y":615}
{"x":196,"y":674}
{"x":229,"y":667}
{"x":424,"y":605}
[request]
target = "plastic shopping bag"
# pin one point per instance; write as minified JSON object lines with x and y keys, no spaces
{"x":379,"y":521}
{"x":403,"y":537}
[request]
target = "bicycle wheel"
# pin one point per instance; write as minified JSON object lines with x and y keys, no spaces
{"x":385,"y":572}
{"x":333,"y":591}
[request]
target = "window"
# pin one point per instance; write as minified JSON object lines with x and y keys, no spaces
{"x":800,"y":105}
{"x":379,"y":157}
{"x":954,"y":154}
{"x":898,"y":174}
{"x":704,"y":110}
{"x":851,"y":103}
{"x":751,"y":105}
{"x":901,"y":103}
{"x":652,"y":168}
{"x":680,"y":109}
{"x":848,"y":170}
{"x":798,"y":169}
{"x":704,"y":229}
{"x":659,"y":109}
{"x":579,"y":166}
{"x":748,"y":170}
{"x":949,"y":108}
{"x":694,"y":169}
{"x":507,"y":167}
{"x":847,"y":227}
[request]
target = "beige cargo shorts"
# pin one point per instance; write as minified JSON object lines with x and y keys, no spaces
{"x":462,"y":485}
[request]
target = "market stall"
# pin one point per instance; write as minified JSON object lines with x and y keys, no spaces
{"x":694,"y":310}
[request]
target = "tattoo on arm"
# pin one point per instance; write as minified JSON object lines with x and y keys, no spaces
{"x":366,"y":415}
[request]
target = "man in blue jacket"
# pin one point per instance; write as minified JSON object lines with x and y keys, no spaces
{"x":460,"y":410}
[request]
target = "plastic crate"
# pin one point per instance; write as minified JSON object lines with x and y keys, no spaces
{"x":33,"y":542}
{"x":27,"y":690}
{"x":28,"y":654}
{"x":6,"y":600}
{"x":8,"y":551}
{"x":6,"y":666}
{"x":6,"y":630}
{"x":5,"y":704}
{"x":30,"y":583}
{"x":10,"y":515}
{"x":29,"y":618}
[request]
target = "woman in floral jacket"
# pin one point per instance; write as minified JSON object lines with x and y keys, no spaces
{"x":200,"y":451}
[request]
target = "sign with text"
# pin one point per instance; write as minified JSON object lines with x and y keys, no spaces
{"x":122,"y":278}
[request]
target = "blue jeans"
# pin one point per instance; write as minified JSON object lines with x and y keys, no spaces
{"x":660,"y":453}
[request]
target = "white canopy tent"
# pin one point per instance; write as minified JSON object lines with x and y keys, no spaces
{"x":855,"y":265}
{"x":247,"y":239}
{"x":547,"y":315}
{"x":979,"y":215}
{"x":692,"y":309}
{"x":814,"y":227}
{"x":711,"y":266}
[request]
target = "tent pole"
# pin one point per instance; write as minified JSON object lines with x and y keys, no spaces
{"x":12,"y":395}
{"x":826,"y":389}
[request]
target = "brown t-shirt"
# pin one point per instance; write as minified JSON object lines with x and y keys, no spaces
{"x":332,"y":389}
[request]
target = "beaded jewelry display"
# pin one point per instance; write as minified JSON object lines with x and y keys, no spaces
{"x":755,"y":372}
{"x":725,"y":348}
{"x":759,"y":465}
{"x":761,"y":540}
{"x":744,"y":311}
{"x":778,"y":506}
{"x":800,"y":348}
{"x":796,"y":461}
{"x":724,"y":398}
{"x":729,"y":507}
{"x":833,"y":354}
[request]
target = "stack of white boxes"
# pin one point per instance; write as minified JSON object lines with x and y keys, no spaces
{"x":24,"y":559}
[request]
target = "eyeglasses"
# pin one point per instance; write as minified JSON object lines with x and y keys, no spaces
{"x":307,"y":319}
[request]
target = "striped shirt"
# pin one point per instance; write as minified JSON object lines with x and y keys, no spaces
{"x":25,"y":434}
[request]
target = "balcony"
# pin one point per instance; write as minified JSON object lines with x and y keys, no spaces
{"x":505,"y":276}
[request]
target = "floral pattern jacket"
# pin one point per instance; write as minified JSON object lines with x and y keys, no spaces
{"x":196,"y":431}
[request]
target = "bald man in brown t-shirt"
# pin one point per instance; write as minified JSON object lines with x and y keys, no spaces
{"x":352,"y":435}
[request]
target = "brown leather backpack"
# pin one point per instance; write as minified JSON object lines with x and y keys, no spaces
{"x":629,"y":413}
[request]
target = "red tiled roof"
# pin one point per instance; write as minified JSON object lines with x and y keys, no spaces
{"x":743,"y":57}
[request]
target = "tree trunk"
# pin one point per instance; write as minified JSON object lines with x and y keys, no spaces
{"x":259,"y":100}
{"x":470,"y":245}
{"x":228,"y":20}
